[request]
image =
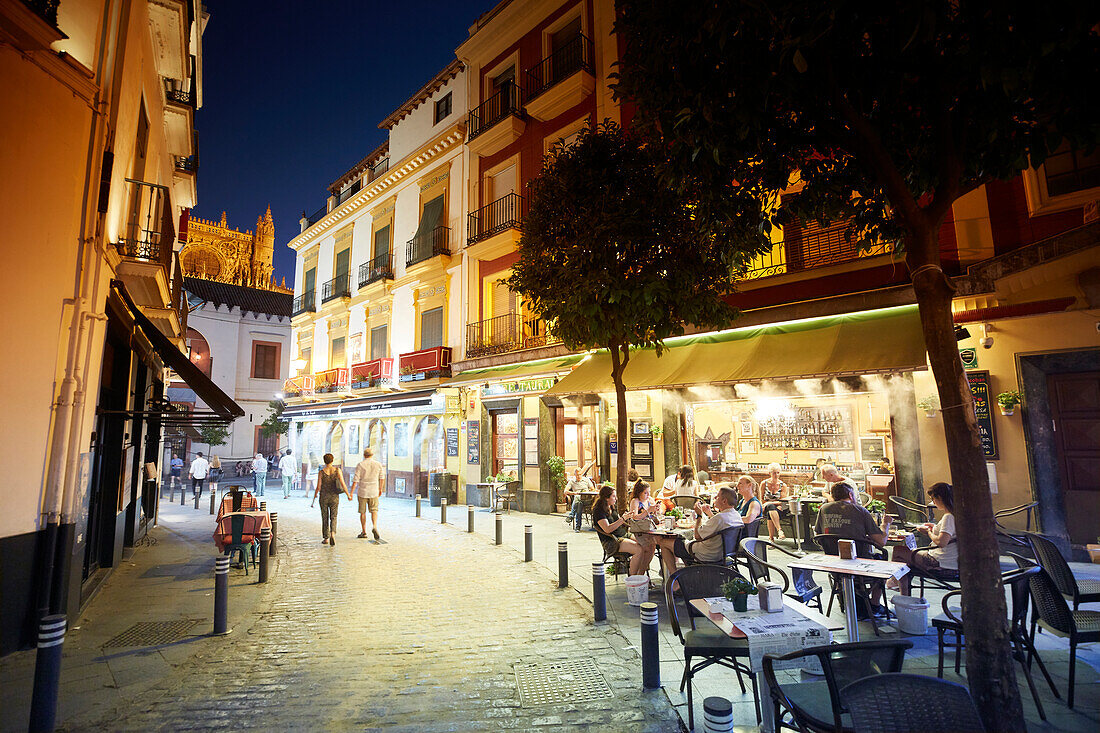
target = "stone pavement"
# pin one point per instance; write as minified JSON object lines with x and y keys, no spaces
{"x":421,"y":633}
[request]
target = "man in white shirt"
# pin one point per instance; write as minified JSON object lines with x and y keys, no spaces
{"x":259,"y":473}
{"x":367,"y":485}
{"x":288,"y":468}
{"x":199,"y":468}
{"x":708,"y":545}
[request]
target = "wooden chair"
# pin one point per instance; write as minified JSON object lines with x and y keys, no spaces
{"x":505,"y":494}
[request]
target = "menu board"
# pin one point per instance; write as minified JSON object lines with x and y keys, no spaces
{"x":452,"y":442}
{"x":531,"y":441}
{"x":979,"y":386}
{"x":473,"y":442}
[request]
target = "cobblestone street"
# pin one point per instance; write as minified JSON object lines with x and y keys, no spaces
{"x":420,"y":633}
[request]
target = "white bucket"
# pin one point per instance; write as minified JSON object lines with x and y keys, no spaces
{"x":637,"y":589}
{"x":912,"y":614}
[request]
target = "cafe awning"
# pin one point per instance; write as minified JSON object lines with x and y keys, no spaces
{"x":517,"y":371}
{"x":870,"y":342}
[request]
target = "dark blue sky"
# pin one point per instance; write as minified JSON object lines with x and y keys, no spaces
{"x":293,"y":93}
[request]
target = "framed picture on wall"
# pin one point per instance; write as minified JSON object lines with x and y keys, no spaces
{"x":645,"y":470}
{"x":640,"y":427}
{"x":746,"y":427}
{"x":746,"y":446}
{"x":641,"y":448}
{"x":872,"y":449}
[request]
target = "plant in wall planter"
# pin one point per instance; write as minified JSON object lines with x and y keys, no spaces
{"x":656,"y":431}
{"x":929,"y":404}
{"x":1008,"y":402}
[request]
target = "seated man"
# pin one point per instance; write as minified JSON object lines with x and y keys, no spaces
{"x":846,"y":519}
{"x":707,"y":545}
{"x":578,"y":483}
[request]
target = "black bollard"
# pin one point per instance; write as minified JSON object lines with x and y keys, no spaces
{"x":500,"y":528}
{"x":274,"y":530}
{"x":213,"y":497}
{"x":717,"y":715}
{"x":47,"y":673}
{"x":443,"y":510}
{"x":528,"y":543}
{"x":265,"y":548}
{"x":221,"y":595}
{"x":418,"y":505}
{"x":183,"y":493}
{"x":470,"y":518}
{"x":599,"y":592}
{"x":651,"y":664}
{"x":563,"y":564}
{"x":197,"y":495}
{"x":263,"y":506}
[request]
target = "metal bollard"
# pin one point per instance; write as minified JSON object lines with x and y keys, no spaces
{"x":651,"y":665}
{"x":717,"y":715}
{"x":274,"y":530}
{"x":183,"y":494}
{"x":443,"y":510}
{"x":599,"y":592}
{"x":563,"y":564}
{"x":528,"y":543}
{"x":500,"y":528}
{"x":213,"y":497}
{"x":418,"y":505}
{"x":263,"y":506}
{"x":265,"y":548}
{"x":470,"y":518}
{"x":47,"y":673}
{"x":221,"y":595}
{"x":197,"y":495}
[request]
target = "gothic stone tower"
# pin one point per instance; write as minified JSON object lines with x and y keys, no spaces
{"x":216,"y":252}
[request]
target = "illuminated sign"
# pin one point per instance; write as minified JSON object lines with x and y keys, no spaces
{"x":518,"y":387}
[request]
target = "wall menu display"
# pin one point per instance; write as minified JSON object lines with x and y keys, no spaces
{"x":979,"y":386}
{"x":473,"y":442}
{"x":530,"y":441}
{"x":809,"y":428}
{"x":872,"y":449}
{"x":452,"y":442}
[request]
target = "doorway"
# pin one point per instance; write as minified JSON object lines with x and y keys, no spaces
{"x":1075,"y":410}
{"x":427,"y":453}
{"x":505,"y":428}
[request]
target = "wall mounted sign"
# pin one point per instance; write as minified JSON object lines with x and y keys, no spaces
{"x":969,"y":357}
{"x":979,"y":386}
{"x":530,"y":441}
{"x":519,"y":386}
{"x":452,"y":442}
{"x":871,"y":449}
{"x":473,"y":442}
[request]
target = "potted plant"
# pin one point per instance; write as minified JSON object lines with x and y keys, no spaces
{"x":1008,"y":401}
{"x":656,"y":431}
{"x":929,"y":404}
{"x":877,"y":507}
{"x":738,"y":591}
{"x":610,"y":430}
{"x":556,"y":466}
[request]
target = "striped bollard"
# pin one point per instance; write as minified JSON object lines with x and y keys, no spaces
{"x":599,"y":592}
{"x":47,"y":673}
{"x":528,"y":543}
{"x":500,"y":528}
{"x":196,"y":499}
{"x":717,"y":715}
{"x":221,"y":595}
{"x":651,"y":664}
{"x":563,"y":564}
{"x":418,"y":505}
{"x":265,"y":548}
{"x":470,"y":518}
{"x":443,"y":510}
{"x":183,"y":493}
{"x":263,"y":506}
{"x":274,"y":530}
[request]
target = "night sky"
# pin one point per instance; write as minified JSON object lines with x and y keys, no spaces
{"x":293,"y":93}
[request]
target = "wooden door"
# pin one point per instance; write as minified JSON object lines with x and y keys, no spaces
{"x":1075,"y":408}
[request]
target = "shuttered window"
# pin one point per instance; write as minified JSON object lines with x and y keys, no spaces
{"x":265,"y":361}
{"x":431,"y":328}
{"x":378,"y":346}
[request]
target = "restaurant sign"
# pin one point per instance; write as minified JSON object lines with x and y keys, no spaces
{"x":979,"y":386}
{"x":520,"y":386}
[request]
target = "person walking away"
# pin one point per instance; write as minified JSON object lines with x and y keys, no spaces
{"x":215,"y":472}
{"x":259,"y":473}
{"x":367,"y":485}
{"x":330,"y":484}
{"x":200,"y":467}
{"x":287,"y":468}
{"x":174,"y":476}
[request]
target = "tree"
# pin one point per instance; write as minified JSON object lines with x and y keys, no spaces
{"x":610,"y":257}
{"x":274,"y":424}
{"x":213,"y":434}
{"x":885,"y":115}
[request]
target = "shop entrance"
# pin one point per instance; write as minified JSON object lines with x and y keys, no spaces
{"x":1075,"y":408}
{"x":427,"y":453}
{"x":376,"y":441}
{"x":505,"y":442}
{"x":575,"y":433}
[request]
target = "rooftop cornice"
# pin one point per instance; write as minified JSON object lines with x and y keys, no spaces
{"x":356,"y":170}
{"x":503,"y":27}
{"x":450,"y":72}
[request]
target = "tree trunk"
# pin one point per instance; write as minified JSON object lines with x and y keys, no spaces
{"x":618,"y":364}
{"x":989,"y":664}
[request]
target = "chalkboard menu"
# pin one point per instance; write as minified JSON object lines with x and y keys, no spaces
{"x":979,"y":386}
{"x":473,"y":442}
{"x":452,"y":442}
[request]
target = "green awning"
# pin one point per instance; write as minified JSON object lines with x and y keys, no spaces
{"x":871,"y":342}
{"x":517,"y":371}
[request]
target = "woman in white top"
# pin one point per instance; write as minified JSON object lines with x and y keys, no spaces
{"x":680,"y":483}
{"x":774,"y":493}
{"x":942,"y":558}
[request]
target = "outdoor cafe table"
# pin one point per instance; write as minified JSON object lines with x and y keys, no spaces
{"x":254,"y":522}
{"x":848,"y":570}
{"x":248,"y":503}
{"x":779,"y":622}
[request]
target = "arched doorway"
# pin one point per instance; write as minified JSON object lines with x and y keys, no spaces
{"x":427,"y":452}
{"x":335,"y":444}
{"x":377,"y":440}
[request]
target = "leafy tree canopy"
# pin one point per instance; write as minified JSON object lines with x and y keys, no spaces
{"x":213,"y":434}
{"x":273,"y":424}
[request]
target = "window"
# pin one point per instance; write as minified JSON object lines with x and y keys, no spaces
{"x":382,"y":242}
{"x":307,"y":356}
{"x":442,"y":108}
{"x":337,"y":357}
{"x":431,"y":328}
{"x":265,"y":360}
{"x":310,"y":280}
{"x":378,"y":346}
{"x":1069,"y":171}
{"x":343,"y":263}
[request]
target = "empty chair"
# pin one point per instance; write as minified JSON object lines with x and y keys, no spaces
{"x":241,"y":541}
{"x":1047,"y":555}
{"x":505,"y":494}
{"x":755,"y":552}
{"x":910,"y":513}
{"x":863,"y":586}
{"x":685,"y":501}
{"x":910,"y":703}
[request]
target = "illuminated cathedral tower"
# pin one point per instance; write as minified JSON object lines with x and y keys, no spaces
{"x":216,"y":252}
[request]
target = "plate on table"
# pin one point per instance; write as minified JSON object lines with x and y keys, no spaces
{"x":684,"y":523}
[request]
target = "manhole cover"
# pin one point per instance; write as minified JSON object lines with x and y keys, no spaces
{"x":153,"y":633}
{"x":560,"y":682}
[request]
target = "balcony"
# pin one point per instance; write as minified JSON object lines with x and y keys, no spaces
{"x":813,"y":247}
{"x":427,"y":245}
{"x":503,"y":214}
{"x":348,"y":192}
{"x":371,"y":373}
{"x":497,"y":122}
{"x":186,"y":164}
{"x":304,"y":303}
{"x":175,"y":94}
{"x":425,"y":364}
{"x":298,"y":386}
{"x":379,"y":268}
{"x":506,"y":333}
{"x":332,"y":380}
{"x":337,"y":287}
{"x":561,"y":81}
{"x":379,"y":168}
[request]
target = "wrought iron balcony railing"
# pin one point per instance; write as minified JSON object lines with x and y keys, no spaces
{"x":174,"y":94}
{"x":337,"y":287}
{"x":813,"y":248}
{"x":379,"y":168}
{"x":494,"y":109}
{"x":316,"y":216}
{"x":559,"y":66}
{"x":45,"y":9}
{"x":149,"y":229}
{"x":427,"y":245}
{"x":505,"y":333}
{"x":304,"y":303}
{"x":349,"y":192}
{"x":503,"y":214}
{"x":379,"y":268}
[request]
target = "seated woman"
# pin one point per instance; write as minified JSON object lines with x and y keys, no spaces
{"x":749,"y":507}
{"x":942,"y":558}
{"x":642,"y":507}
{"x":680,"y":483}
{"x":611,"y":529}
{"x":775,"y":493}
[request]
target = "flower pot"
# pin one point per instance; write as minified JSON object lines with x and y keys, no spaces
{"x":929,"y":413}
{"x":1007,"y":411}
{"x":741,"y":602}
{"x":561,"y":508}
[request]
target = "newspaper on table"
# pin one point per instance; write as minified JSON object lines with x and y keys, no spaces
{"x":855,"y":566}
{"x":775,"y":633}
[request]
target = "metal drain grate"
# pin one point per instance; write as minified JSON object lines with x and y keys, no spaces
{"x":153,"y":633}
{"x":560,"y":682}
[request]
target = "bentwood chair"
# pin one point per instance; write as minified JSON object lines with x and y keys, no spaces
{"x":755,"y":552}
{"x":1014,"y":541}
{"x":910,"y":513}
{"x":816,"y":706}
{"x":901,"y":703}
{"x":1047,"y":555}
{"x":709,"y":645}
{"x":863,"y":586}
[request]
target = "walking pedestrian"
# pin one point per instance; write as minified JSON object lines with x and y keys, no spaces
{"x":330,"y":483}
{"x":287,"y":468}
{"x":197,"y":473}
{"x":367,"y":485}
{"x":259,"y":473}
{"x":174,"y":476}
